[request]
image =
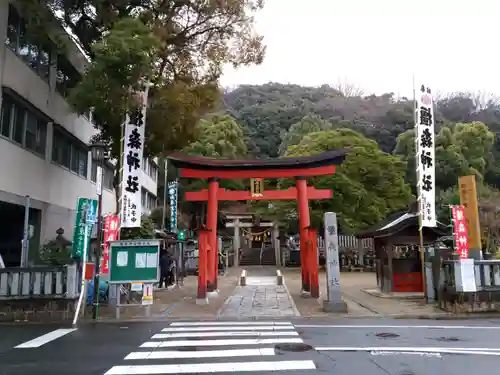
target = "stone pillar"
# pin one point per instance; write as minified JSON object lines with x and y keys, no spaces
{"x":237,"y":242}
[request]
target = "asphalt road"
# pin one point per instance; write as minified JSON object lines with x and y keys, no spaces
{"x":300,"y":346}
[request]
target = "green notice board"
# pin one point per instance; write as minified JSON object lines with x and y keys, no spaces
{"x":134,"y":261}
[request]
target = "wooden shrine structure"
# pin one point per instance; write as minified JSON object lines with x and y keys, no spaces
{"x":299,"y":168}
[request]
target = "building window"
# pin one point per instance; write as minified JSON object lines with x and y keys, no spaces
{"x":36,"y":55}
{"x":67,"y":76}
{"x":150,"y":168}
{"x":23,"y":125}
{"x":69,"y":152}
{"x":148,"y":200}
{"x":108,"y":175}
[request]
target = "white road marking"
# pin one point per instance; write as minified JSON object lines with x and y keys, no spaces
{"x":198,"y":368}
{"x":225,"y":323}
{"x":422,"y":354}
{"x":201,"y":354}
{"x":44,"y":339}
{"x":393,"y":327}
{"x":223,"y":334}
{"x":480,"y":351}
{"x":208,"y":329}
{"x":171,"y":344}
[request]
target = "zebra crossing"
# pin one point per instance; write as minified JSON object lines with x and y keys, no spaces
{"x":214,"y":347}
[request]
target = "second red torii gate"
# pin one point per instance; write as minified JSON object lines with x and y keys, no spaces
{"x":291,"y":167}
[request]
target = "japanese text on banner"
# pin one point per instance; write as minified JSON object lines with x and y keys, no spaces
{"x":460,"y":231}
{"x":132,"y":160}
{"x":110,"y":234}
{"x":172,"y":193}
{"x":425,"y":157}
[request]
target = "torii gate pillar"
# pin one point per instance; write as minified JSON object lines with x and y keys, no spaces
{"x":213,"y":261}
{"x":304,"y":224}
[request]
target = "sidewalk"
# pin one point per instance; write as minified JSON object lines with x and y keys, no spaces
{"x":180,"y":303}
{"x":359,"y":302}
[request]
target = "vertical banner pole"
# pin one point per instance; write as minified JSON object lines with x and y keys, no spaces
{"x":84,"y":266}
{"x":419,"y":193}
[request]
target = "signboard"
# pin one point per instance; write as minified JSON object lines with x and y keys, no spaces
{"x":132,"y":162}
{"x":98,"y":184}
{"x":110,"y":234}
{"x":147,"y":295}
{"x":425,"y":158}
{"x":85,"y":217}
{"x":465,"y":279}
{"x":136,"y":287}
{"x":257,"y":187}
{"x":468,"y":199}
{"x":181,"y":235}
{"x":332,"y":258}
{"x":134,"y":261}
{"x":172,"y":194}
{"x":460,"y":234}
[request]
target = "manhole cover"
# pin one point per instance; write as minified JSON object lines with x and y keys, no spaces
{"x":293,"y":347}
{"x":387,"y":335}
{"x":447,"y":339}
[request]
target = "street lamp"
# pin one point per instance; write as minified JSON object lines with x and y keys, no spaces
{"x":99,"y":155}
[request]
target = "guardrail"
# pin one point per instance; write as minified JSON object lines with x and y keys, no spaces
{"x":59,"y":282}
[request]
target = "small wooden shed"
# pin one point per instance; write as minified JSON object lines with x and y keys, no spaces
{"x":397,"y":251}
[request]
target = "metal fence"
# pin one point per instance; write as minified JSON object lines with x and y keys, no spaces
{"x":39,"y":282}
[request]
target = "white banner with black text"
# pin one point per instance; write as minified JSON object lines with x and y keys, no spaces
{"x":131,"y":207}
{"x":425,"y":157}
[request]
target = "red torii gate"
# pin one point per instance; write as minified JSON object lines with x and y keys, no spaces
{"x":299,"y":168}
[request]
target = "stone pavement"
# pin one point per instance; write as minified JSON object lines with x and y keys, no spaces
{"x":359,"y":303}
{"x":180,"y":303}
{"x":260,"y":298}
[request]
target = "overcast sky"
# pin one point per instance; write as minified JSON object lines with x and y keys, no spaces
{"x":378,"y":45}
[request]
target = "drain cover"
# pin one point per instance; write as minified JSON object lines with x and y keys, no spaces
{"x":387,"y":335}
{"x":293,"y":347}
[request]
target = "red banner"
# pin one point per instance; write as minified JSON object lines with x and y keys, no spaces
{"x":460,"y":231}
{"x":110,"y":234}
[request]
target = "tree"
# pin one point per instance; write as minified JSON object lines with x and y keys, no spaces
{"x":179,"y":47}
{"x":367,"y":187}
{"x":216,"y":137}
{"x":145,"y":231}
{"x":308,"y":124}
{"x":460,"y":150}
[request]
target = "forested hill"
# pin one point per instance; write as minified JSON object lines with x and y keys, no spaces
{"x":267,"y":111}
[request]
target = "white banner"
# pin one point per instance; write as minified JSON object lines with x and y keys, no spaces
{"x":425,"y":158}
{"x":133,"y":151}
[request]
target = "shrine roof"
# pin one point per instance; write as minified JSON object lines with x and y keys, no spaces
{"x":331,"y":157}
{"x":397,"y":222}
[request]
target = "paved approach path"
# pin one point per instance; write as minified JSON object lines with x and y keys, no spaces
{"x":260,"y":298}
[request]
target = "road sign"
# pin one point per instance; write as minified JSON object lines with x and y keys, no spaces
{"x":134,"y":261}
{"x":181,"y":235}
{"x":85,"y":216}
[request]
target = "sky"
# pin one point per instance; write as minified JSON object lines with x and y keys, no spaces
{"x":378,"y":45}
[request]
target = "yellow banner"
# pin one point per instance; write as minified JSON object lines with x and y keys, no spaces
{"x":468,"y":198}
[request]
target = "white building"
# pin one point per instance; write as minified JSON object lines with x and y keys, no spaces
{"x":43,"y":144}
